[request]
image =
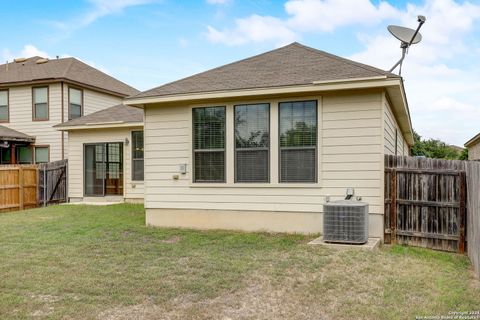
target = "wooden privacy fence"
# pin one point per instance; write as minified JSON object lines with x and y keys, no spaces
{"x":434,"y":204}
{"x":18,"y":187}
{"x":28,"y":186}
{"x":52,"y":182}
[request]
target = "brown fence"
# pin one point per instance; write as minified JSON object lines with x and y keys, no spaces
{"x":434,"y":204}
{"x":18,"y":187}
{"x":29,"y":186}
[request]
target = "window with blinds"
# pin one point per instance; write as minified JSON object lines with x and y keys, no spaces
{"x":209,"y":144}
{"x":298,"y":141}
{"x":252,"y":142}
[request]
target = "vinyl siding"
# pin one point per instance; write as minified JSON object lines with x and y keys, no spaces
{"x":390,"y":127}
{"x":133,"y":189}
{"x":350,"y":153}
{"x":474,"y":152}
{"x":20,"y":105}
{"x":93,"y":101}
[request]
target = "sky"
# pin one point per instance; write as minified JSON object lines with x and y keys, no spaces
{"x":146,"y":43}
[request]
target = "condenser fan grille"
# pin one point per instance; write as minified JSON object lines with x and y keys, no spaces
{"x":345,"y":221}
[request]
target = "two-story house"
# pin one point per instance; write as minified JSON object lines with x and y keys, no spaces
{"x":38,"y":93}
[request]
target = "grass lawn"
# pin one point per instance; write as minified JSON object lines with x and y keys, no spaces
{"x":85,"y":262}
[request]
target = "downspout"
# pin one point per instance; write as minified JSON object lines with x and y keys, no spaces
{"x":63,"y":132}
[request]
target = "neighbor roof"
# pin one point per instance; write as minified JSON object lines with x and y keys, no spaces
{"x":119,"y":114}
{"x":7,"y":134}
{"x":472,"y":141}
{"x":294,"y":64}
{"x":67,"y":69}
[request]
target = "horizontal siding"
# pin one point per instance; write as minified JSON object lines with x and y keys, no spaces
{"x":350,"y":155}
{"x":390,"y":127}
{"x":20,"y":99}
{"x":133,"y":190}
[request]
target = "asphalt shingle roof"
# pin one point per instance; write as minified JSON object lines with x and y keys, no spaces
{"x":294,"y":64}
{"x":9,"y":134}
{"x":62,"y":69}
{"x":116,"y":114}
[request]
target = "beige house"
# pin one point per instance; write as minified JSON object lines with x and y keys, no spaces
{"x":258,"y":144}
{"x":37,"y":93}
{"x":473,"y":146}
{"x":105,"y":151}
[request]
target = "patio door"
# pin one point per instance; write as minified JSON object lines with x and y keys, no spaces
{"x":103,"y":169}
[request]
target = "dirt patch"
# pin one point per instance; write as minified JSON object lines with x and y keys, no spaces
{"x":173,"y":239}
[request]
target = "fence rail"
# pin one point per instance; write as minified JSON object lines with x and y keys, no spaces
{"x":28,"y":186}
{"x":433,"y":203}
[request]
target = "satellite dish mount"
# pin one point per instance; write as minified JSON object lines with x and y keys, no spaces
{"x":408,"y":37}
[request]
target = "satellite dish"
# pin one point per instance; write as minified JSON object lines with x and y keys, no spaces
{"x":405,"y":34}
{"x":408,"y":37}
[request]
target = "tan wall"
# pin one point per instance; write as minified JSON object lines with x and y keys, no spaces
{"x":350,"y":155}
{"x":390,"y":127}
{"x":20,"y":105}
{"x":474,"y":152}
{"x":93,"y":101}
{"x":133,"y":189}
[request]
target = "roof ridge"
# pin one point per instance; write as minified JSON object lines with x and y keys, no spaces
{"x":67,"y":69}
{"x":349,"y":61}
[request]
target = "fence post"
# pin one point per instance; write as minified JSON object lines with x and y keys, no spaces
{"x":45,"y":184}
{"x":462,"y":212}
{"x":393,"y":206}
{"x":20,"y":188}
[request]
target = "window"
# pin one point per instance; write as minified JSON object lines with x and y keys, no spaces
{"x":40,"y":103}
{"x":137,"y":155}
{"x":298,"y":141}
{"x":4,"y":106}
{"x":252,"y":141}
{"x":6,"y":155}
{"x":24,"y":155}
{"x":42,"y":154}
{"x":209,"y":144}
{"x":75,"y":103}
{"x":396,"y":141}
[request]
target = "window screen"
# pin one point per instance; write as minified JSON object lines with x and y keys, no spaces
{"x":209,"y":144}
{"x":75,"y":103}
{"x":40,"y":103}
{"x":298,"y":141}
{"x":252,"y":141}
{"x":137,"y":156}
{"x":3,"y":105}
{"x":41,"y":154}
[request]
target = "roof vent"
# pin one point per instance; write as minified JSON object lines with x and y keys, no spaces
{"x":42,"y":60}
{"x":20,"y":60}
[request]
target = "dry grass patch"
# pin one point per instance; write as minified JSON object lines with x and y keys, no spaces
{"x":81,"y":262}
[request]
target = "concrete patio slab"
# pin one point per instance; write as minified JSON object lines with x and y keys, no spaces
{"x":372,"y":243}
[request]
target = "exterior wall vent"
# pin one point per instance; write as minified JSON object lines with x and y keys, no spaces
{"x":345,"y":221}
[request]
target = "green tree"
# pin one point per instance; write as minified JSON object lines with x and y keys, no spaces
{"x":434,"y":148}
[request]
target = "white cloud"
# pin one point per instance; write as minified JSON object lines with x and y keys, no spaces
{"x":442,"y":93}
{"x":303,"y":16}
{"x":253,"y":29}
{"x":218,"y":1}
{"x":326,"y":15}
{"x":99,"y":9}
{"x":27,"y":51}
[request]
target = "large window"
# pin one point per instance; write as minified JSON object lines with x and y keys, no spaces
{"x":40,"y":103}
{"x":209,"y":144}
{"x":252,"y":141}
{"x":298,"y":141}
{"x":75,"y":103}
{"x":25,"y":155}
{"x":42,"y":154}
{"x":137,"y":155}
{"x":4,"y":106}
